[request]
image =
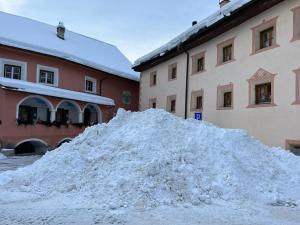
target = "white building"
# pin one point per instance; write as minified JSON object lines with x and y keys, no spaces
{"x":240,"y":67}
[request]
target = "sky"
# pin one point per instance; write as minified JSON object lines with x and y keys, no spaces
{"x":136,"y":27}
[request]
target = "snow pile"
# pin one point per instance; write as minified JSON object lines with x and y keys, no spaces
{"x":2,"y":156}
{"x":152,"y":158}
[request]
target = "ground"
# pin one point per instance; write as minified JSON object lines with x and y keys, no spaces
{"x":52,"y":212}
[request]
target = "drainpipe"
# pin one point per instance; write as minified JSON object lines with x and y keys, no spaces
{"x":187,"y":84}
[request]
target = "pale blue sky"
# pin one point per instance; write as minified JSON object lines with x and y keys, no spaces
{"x":136,"y":27}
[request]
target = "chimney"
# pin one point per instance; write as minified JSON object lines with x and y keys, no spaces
{"x":61,"y":31}
{"x":194,"y":23}
{"x":223,"y":2}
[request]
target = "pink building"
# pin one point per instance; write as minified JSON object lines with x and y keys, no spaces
{"x":54,"y":83}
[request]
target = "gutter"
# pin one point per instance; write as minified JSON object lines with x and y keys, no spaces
{"x":186,"y":84}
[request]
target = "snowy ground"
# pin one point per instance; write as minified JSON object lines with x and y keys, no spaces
{"x":133,"y":172}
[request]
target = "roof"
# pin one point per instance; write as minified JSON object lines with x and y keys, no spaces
{"x":34,"y":88}
{"x":24,"y":33}
{"x":177,"y":45}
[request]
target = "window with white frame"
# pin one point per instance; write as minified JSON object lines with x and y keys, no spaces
{"x":90,"y":84}
{"x":13,"y":69}
{"x":47,"y":75}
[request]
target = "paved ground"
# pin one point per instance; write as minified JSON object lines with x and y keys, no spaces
{"x":14,"y":162}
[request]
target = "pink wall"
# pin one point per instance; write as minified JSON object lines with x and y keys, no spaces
{"x":72,"y":77}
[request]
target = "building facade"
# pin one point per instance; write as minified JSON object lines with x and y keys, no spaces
{"x":243,"y":71}
{"x":47,"y":99}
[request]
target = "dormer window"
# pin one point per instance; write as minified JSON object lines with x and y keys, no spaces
{"x":61,"y":30}
{"x":12,"y":71}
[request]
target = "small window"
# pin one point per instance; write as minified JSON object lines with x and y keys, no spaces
{"x":62,"y":116}
{"x":27,"y":114}
{"x":171,"y":104}
{"x":197,"y":100}
{"x":225,"y":52}
{"x":296,"y":23}
{"x":152,"y":103}
{"x":263,"y":93}
{"x":90,"y":84}
{"x":12,"y":71}
{"x":173,"y":71}
{"x":198,"y":63}
{"x":153,"y":79}
{"x":225,"y":97}
{"x":266,"y":38}
{"x":126,"y":97}
{"x":46,"y":77}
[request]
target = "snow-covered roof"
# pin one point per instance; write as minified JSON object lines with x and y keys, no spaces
{"x":34,"y":88}
{"x":39,"y":37}
{"x":209,"y":21}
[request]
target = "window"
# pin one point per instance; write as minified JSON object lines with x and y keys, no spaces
{"x":13,"y":72}
{"x":197,"y":100}
{"x":62,"y":116}
{"x":13,"y":69}
{"x":171,"y":104}
{"x":261,"y":89}
{"x":90,"y":84}
{"x":47,"y":75}
{"x":263,"y":93}
{"x":198,"y":63}
{"x":225,"y":51}
{"x":225,"y":97}
{"x":297,"y":92}
{"x":173,"y":71}
{"x":296,"y":23}
{"x":27,"y":114}
{"x":126,"y":97}
{"x":264,"y":36}
{"x":153,"y":78}
{"x":152,"y":103}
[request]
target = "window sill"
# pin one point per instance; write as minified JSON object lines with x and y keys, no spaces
{"x":296,"y":38}
{"x":196,"y":110}
{"x":224,"y":63}
{"x":197,"y":73}
{"x":50,"y":85}
{"x":172,"y":79}
{"x":297,"y":102}
{"x":261,"y":105}
{"x":91,"y":92}
{"x":225,"y":108}
{"x":264,"y":49}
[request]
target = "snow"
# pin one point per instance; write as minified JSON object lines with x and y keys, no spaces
{"x":34,"y":88}
{"x":2,"y":156}
{"x":209,"y":21}
{"x":39,"y":37}
{"x":137,"y":160}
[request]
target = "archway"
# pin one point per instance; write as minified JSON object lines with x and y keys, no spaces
{"x":33,"y":109}
{"x":31,"y":146}
{"x":68,"y":112}
{"x":91,"y":115}
{"x":65,"y":140}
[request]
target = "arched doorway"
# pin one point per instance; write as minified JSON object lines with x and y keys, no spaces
{"x":65,"y":140}
{"x":68,"y":112}
{"x":34,"y":109}
{"x":31,"y":146}
{"x":91,"y":115}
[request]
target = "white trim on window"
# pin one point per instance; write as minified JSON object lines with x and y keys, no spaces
{"x":47,"y":68}
{"x":23,"y":66}
{"x":94,"y":81}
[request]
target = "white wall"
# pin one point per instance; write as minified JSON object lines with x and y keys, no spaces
{"x":272,"y":125}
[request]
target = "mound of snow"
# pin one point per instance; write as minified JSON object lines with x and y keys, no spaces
{"x":152,"y":158}
{"x":2,"y":156}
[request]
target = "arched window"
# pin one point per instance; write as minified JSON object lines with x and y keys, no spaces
{"x":68,"y":112}
{"x":91,"y":115}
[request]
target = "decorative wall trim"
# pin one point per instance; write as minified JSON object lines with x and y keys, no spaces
{"x":195,"y":57}
{"x":195,"y":94}
{"x":297,"y":87}
{"x":220,"y":96}
{"x":220,"y":47}
{"x":296,"y":31}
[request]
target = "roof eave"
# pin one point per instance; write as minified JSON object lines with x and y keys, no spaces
{"x":237,"y":17}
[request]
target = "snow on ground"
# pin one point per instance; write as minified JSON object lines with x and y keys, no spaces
{"x":154,"y":165}
{"x":2,"y":156}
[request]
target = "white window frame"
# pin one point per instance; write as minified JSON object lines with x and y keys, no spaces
{"x":47,"y":68}
{"x":23,"y":66}
{"x":94,"y":84}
